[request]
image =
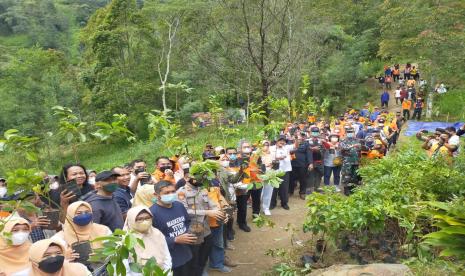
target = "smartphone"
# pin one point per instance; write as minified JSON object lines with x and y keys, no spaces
{"x":143,"y":181}
{"x":71,"y":186}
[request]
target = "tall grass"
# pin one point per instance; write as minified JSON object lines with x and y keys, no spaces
{"x":451,"y":105}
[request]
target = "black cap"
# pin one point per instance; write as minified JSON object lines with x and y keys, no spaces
{"x":314,"y":129}
{"x":349,"y":129}
{"x":104,"y":175}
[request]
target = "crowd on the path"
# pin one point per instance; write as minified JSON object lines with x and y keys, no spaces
{"x":187,"y":227}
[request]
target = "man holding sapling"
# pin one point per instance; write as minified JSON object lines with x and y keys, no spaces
{"x":104,"y":207}
{"x":199,"y":207}
{"x":171,"y":218}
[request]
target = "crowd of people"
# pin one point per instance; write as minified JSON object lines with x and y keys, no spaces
{"x":186,"y":226}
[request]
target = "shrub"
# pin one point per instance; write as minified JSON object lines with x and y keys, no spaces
{"x":189,"y":108}
{"x":390,"y":199}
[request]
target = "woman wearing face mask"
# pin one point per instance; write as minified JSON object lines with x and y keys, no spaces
{"x":14,"y":257}
{"x":78,"y":226}
{"x":139,"y":219}
{"x":47,"y":258}
{"x":267,"y":163}
{"x":144,"y":196}
{"x":3,"y":189}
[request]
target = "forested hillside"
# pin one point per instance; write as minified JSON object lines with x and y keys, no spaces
{"x":126,"y":56}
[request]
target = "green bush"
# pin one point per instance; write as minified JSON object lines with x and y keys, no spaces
{"x":191,"y":107}
{"x":391,"y":197}
{"x":450,"y":219}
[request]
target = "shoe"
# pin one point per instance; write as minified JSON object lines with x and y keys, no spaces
{"x":272,"y":207}
{"x":230,"y":247}
{"x":228,"y":262}
{"x":244,"y":227}
{"x":302,"y":196}
{"x":285,"y":206}
{"x":224,"y":269}
{"x":255,"y":215}
{"x":267,"y":212}
{"x":337,"y":189}
{"x":231,"y":238}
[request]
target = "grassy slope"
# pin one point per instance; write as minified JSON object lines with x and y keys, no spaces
{"x":104,"y":156}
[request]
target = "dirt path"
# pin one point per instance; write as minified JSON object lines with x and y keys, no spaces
{"x":250,"y":248}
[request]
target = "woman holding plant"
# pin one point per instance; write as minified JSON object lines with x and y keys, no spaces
{"x":267,"y":164}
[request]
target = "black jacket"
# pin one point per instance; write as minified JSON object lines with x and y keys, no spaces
{"x":303,"y":156}
{"x":105,"y":210}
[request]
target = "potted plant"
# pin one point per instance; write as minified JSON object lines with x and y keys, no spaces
{"x":22,"y":181}
{"x":202,"y":172}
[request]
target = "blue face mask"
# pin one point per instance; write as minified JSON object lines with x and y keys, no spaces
{"x":232,"y":157}
{"x":83,"y":219}
{"x":170,"y":198}
{"x":350,"y":135}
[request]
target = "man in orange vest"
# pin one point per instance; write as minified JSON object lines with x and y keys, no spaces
{"x":164,"y":170}
{"x":406,"y":106}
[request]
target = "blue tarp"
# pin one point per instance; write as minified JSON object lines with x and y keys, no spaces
{"x":414,"y":126}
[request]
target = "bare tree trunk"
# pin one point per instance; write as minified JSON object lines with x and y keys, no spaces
{"x":247,"y":111}
{"x":289,"y":55}
{"x":266,"y":108}
{"x":429,"y":100}
{"x":172,"y":28}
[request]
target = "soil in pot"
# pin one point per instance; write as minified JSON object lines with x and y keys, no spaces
{"x":320,"y":245}
{"x":84,"y":249}
{"x":197,"y":229}
{"x":229,"y":210}
{"x":54,"y":216}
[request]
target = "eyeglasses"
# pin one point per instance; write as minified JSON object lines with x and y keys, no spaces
{"x":144,"y":218}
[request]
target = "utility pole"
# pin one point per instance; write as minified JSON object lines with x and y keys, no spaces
{"x":429,"y":101}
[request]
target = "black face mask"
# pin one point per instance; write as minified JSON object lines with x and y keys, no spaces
{"x":164,"y":168}
{"x":52,"y":264}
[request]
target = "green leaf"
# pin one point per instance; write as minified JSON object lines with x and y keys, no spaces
{"x":32,"y":156}
{"x":135,"y":267}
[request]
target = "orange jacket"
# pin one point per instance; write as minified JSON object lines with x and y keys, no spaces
{"x":159,"y":175}
{"x":215,"y":195}
{"x":406,"y":104}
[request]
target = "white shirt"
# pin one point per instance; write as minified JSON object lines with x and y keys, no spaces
{"x":455,"y":140}
{"x":285,"y":164}
{"x":397,"y":93}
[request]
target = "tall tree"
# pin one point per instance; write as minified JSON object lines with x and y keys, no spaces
{"x":259,"y":28}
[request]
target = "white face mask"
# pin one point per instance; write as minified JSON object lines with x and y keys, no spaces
{"x":225,"y":163}
{"x":54,"y":186}
{"x":3,"y":191}
{"x":91,"y":180}
{"x":247,"y":150}
{"x":334,"y":140}
{"x":19,"y":238}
